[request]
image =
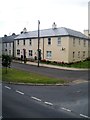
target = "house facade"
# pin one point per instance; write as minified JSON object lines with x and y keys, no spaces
{"x":8,"y":44}
{"x":56,"y":44}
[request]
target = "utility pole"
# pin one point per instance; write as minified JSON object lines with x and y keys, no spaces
{"x":38,"y":39}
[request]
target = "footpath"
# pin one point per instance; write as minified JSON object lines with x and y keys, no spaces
{"x":53,"y":66}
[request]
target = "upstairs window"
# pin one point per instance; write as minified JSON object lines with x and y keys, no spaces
{"x":58,"y":41}
{"x":30,"y":42}
{"x":84,"y":43}
{"x":79,"y":41}
{"x":6,"y":44}
{"x":73,"y":41}
{"x":49,"y":41}
{"x":24,"y":42}
{"x":9,"y":44}
{"x":17,"y":42}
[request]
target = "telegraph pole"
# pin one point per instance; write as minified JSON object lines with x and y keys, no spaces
{"x":38,"y":39}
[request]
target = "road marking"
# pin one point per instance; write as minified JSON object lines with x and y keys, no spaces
{"x":84,"y":116}
{"x":36,"y":98}
{"x":48,"y":103}
{"x":7,"y":87}
{"x":20,"y":92}
{"x":66,"y":109}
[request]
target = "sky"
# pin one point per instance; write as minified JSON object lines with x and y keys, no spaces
{"x":17,"y":14}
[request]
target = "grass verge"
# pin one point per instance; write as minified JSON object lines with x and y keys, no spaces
{"x":20,"y":76}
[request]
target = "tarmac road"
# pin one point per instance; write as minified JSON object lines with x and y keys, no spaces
{"x":52,"y":72}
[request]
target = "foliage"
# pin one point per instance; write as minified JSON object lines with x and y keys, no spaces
{"x":21,"y":76}
{"x":6,"y":61}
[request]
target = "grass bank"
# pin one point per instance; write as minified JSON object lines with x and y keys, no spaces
{"x":81,"y":64}
{"x":20,"y":76}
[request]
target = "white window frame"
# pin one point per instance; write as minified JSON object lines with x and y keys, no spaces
{"x":79,"y":41}
{"x":30,"y":53}
{"x":24,"y":42}
{"x":79,"y":54}
{"x":18,"y":51}
{"x":59,"y":41}
{"x":49,"y":41}
{"x":74,"y":41}
{"x":73,"y":54}
{"x":48,"y":54}
{"x":17,"y":42}
{"x":84,"y":42}
{"x":30,"y":41}
{"x":84,"y":54}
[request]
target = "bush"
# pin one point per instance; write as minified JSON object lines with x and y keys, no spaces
{"x":6,"y":61}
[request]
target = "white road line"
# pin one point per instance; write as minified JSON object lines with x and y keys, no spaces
{"x":48,"y":103}
{"x":20,"y":92}
{"x":7,"y":87}
{"x":84,"y":116}
{"x":36,"y":98}
{"x":66,"y":109}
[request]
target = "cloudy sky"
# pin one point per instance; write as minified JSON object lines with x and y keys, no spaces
{"x":17,"y":14}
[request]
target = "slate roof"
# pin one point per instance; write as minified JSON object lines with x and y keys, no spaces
{"x":10,"y":38}
{"x":62,"y":31}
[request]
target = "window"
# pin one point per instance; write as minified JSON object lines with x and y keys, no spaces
{"x":30,"y":42}
{"x":84,"y":43}
{"x":18,"y":52}
{"x":59,"y":41}
{"x":49,"y":54}
{"x":73,"y":41}
{"x":9,"y":44}
{"x":24,"y":42}
{"x":6,"y":44}
{"x":6,"y":50}
{"x":79,"y":54}
{"x":9,"y":52}
{"x":49,"y":41}
{"x":79,"y":41}
{"x":30,"y":53}
{"x":17,"y":42}
{"x":83,"y":54}
{"x":73,"y":54}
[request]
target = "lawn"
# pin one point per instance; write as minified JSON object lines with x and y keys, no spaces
{"x":21,"y":76}
{"x":82,"y":64}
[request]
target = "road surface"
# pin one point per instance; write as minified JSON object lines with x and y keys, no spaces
{"x":24,"y":101}
{"x":56,"y":73}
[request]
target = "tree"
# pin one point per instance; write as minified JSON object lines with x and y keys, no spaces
{"x":6,"y":61}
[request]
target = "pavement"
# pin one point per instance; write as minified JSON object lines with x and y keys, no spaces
{"x":53,"y":66}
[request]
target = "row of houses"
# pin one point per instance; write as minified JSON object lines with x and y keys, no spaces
{"x":55,"y":44}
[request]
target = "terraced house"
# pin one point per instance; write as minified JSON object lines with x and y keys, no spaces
{"x":56,"y":44}
{"x":8,"y":44}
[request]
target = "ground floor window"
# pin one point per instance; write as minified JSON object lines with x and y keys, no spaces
{"x":30,"y":53}
{"x":48,"y":54}
{"x":18,"y":52}
{"x":83,"y":54}
{"x":79,"y":54}
{"x":9,"y":52}
{"x":73,"y":54}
